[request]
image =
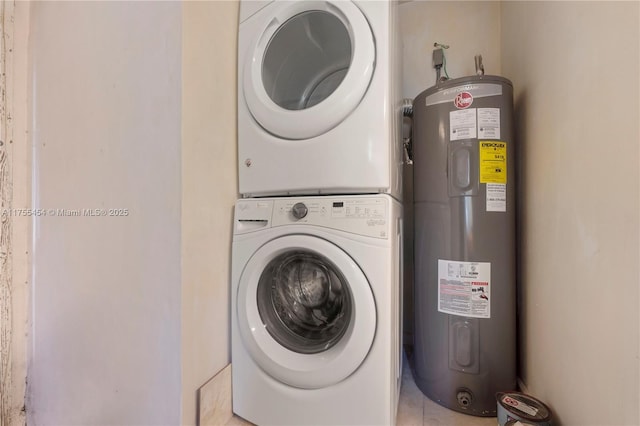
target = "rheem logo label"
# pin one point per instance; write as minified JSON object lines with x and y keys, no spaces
{"x":463,"y":100}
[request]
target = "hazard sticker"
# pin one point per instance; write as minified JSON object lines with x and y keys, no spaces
{"x":464,"y":288}
{"x":493,"y":162}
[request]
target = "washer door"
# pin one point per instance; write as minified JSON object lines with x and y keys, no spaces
{"x":309,"y":67}
{"x":306,"y":312}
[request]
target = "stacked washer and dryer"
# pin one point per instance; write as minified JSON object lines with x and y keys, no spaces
{"x":317,"y":242}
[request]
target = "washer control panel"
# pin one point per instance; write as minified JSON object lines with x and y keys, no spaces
{"x":363,"y":215}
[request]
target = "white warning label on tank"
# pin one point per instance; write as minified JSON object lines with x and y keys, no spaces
{"x":462,"y":124}
{"x":464,"y":288}
{"x":488,"y":123}
{"x":496,"y":197}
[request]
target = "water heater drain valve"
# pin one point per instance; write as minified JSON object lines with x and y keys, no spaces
{"x":464,"y":397}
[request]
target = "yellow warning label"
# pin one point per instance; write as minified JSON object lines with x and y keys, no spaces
{"x":493,"y":162}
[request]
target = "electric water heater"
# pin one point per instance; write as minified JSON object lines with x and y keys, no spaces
{"x":465,"y":243}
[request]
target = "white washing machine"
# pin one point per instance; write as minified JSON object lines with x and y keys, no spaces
{"x":316,"y":310}
{"x":319,"y":106}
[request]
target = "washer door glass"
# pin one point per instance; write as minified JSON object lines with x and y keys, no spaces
{"x":304,"y":301}
{"x":305,"y":311}
{"x":308,"y":66}
{"x":306,"y":60}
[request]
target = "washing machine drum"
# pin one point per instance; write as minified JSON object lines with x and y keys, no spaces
{"x":304,"y":302}
{"x":306,"y":312}
{"x":308,"y":68}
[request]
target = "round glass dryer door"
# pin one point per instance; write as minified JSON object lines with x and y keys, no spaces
{"x":306,"y":60}
{"x":309,"y":67}
{"x":306,"y":311}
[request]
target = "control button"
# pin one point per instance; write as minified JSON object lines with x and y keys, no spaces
{"x":299,"y":210}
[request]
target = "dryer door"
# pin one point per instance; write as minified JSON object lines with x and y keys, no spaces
{"x":306,"y":312}
{"x":308,"y":67}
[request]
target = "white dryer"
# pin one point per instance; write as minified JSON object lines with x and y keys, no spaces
{"x":316,"y":310}
{"x":319,"y":107}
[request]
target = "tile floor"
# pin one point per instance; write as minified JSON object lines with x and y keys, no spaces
{"x":414,"y":409}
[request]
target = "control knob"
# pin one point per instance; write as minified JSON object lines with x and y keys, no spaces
{"x":299,"y":210}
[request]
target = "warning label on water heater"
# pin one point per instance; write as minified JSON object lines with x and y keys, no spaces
{"x":464,"y":288}
{"x":462,"y":124}
{"x":496,"y":197}
{"x":488,"y":123}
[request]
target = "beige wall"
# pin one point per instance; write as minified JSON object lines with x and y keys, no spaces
{"x":209,"y":190}
{"x":468,"y":27}
{"x":575,"y":70}
{"x":106,"y":129}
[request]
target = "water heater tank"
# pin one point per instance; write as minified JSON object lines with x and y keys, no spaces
{"x":465,"y":246}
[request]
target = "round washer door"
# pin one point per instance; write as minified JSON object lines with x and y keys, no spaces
{"x":306,"y":312}
{"x":309,"y":67}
